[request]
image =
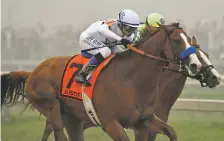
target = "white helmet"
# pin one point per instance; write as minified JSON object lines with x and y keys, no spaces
{"x":129,"y":17}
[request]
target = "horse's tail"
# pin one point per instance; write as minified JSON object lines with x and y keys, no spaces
{"x":12,"y":87}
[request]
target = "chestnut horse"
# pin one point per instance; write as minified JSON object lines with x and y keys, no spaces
{"x":177,"y":81}
{"x":125,"y":101}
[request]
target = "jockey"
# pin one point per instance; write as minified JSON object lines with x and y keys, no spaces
{"x":99,"y":38}
{"x":150,"y":23}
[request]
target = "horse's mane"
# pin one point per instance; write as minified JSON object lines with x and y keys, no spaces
{"x":144,"y":37}
{"x":148,"y":34}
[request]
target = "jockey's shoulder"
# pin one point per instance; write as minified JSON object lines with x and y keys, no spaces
{"x":109,"y":22}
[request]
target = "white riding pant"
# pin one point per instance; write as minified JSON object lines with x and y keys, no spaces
{"x":87,"y":42}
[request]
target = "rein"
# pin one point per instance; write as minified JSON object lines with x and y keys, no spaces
{"x":175,"y":62}
{"x":131,"y":47}
{"x":181,"y":70}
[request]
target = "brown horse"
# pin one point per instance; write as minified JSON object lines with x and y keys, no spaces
{"x":166,"y":101}
{"x":131,"y":76}
{"x":176,"y":85}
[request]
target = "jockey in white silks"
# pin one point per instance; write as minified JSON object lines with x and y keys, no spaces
{"x":101,"y":37}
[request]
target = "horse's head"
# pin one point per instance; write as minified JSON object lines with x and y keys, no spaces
{"x":208,"y":74}
{"x":181,"y":48}
{"x":172,"y":43}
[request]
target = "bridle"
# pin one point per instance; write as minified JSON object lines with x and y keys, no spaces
{"x":177,"y":61}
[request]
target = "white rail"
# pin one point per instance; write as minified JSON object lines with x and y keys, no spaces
{"x":199,"y":105}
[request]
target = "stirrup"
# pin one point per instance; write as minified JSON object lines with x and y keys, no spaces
{"x":80,"y":78}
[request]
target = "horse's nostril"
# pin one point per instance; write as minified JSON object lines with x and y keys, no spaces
{"x":193,"y":67}
{"x":214,"y":77}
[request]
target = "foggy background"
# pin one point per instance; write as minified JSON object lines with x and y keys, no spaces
{"x":77,"y":12}
{"x":33,"y":30}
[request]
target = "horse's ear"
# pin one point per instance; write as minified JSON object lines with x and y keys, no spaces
{"x":194,"y":41}
{"x":175,"y":24}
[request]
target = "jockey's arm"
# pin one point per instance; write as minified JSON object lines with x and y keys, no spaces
{"x":104,"y":30}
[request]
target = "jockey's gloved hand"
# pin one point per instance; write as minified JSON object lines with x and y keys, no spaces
{"x":125,"y":42}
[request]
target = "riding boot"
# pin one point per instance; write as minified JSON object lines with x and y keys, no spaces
{"x":88,"y":68}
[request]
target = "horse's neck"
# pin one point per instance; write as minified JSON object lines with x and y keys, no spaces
{"x":147,"y":67}
{"x":142,"y":72}
{"x":147,"y":80}
{"x":172,"y":90}
{"x":171,"y":85}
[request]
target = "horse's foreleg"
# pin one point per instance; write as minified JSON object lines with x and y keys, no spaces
{"x":162,"y":111}
{"x":151,"y":136}
{"x":115,"y":131}
{"x":141,"y":134}
{"x":74,"y":128}
{"x":156,"y":125}
{"x":47,"y":131}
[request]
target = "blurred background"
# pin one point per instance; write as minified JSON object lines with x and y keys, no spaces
{"x":33,"y":30}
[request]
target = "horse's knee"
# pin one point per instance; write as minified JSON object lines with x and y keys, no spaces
{"x":59,"y":135}
{"x":47,"y":131}
{"x":48,"y":127}
{"x":140,"y":135}
{"x":115,"y":131}
{"x":151,"y":136}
